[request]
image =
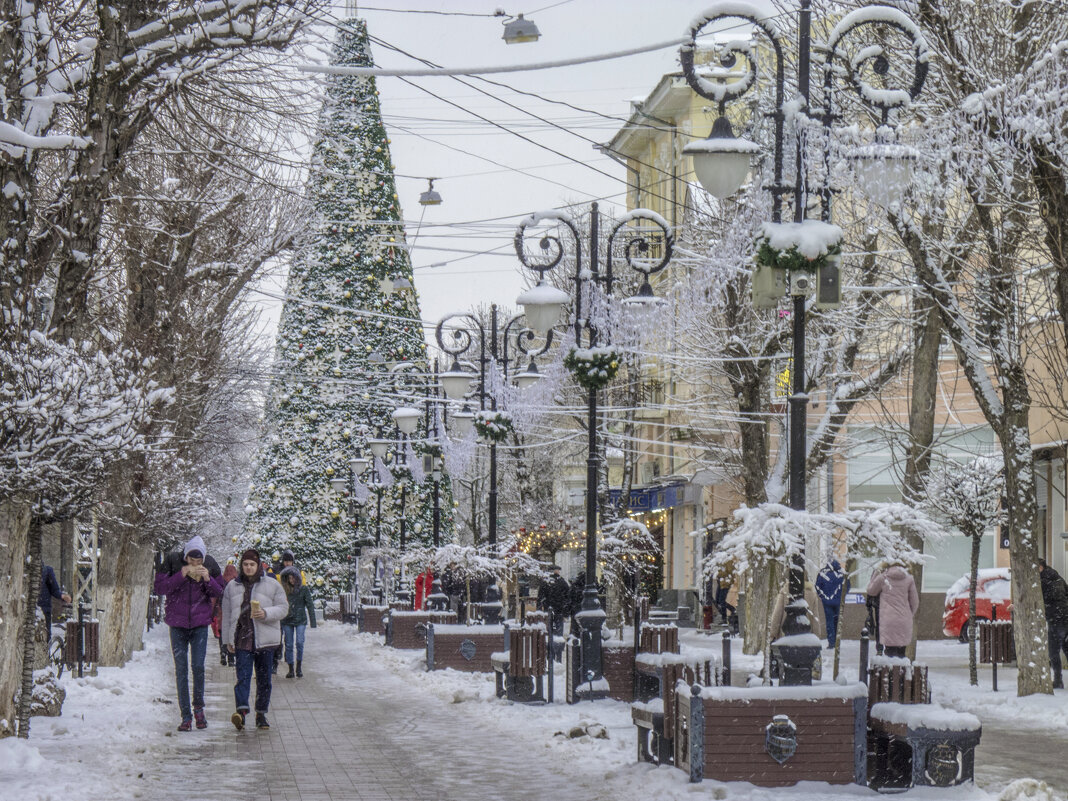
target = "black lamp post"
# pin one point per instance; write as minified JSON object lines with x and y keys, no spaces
{"x":544,"y":305}
{"x":721,"y":164}
{"x":457,"y":382}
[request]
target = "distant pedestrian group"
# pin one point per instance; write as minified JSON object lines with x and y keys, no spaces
{"x":248,"y":610}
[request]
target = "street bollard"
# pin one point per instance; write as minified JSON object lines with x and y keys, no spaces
{"x":864,"y":655}
{"x":726,"y":659}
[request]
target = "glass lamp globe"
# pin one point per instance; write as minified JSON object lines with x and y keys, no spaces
{"x":463,"y":422}
{"x":528,"y":377}
{"x":379,"y":447}
{"x":721,"y":162}
{"x":338,"y":484}
{"x":543,"y":304}
{"x":359,"y":464}
{"x":407,"y":419}
{"x":456,"y":382}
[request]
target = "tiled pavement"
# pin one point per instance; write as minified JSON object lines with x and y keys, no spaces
{"x":373,"y":743}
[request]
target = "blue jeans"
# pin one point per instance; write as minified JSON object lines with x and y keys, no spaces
{"x":830,"y":613}
{"x":289,"y":632}
{"x":184,"y":641}
{"x":263,"y":661}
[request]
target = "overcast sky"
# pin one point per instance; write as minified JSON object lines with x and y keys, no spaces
{"x":490,"y":177}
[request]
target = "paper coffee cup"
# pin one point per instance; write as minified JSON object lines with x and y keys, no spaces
{"x":255,"y":605}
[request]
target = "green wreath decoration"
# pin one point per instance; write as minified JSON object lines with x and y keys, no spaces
{"x":811,"y":244}
{"x":593,"y":368}
{"x":493,"y":426}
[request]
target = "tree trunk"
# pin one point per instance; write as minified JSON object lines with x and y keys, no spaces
{"x":124,"y":580}
{"x":14,"y":526}
{"x":1029,"y":615}
{"x":925,"y":362}
{"x":29,"y":624}
{"x":973,"y":624}
{"x":757,"y":598}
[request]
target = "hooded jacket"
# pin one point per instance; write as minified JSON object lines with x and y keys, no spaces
{"x":272,"y":598}
{"x":898,"y":602}
{"x":189,"y":602}
{"x":301,"y":605}
{"x":829,"y":583}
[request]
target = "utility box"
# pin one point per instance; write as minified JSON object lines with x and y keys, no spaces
{"x":769,"y":286}
{"x":829,"y":291}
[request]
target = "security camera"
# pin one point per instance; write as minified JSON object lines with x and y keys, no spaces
{"x":802,"y":283}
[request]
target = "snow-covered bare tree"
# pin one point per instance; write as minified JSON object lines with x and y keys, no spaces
{"x":968,"y":496}
{"x":972,"y":231}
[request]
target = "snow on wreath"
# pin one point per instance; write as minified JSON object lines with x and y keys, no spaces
{"x":493,"y":426}
{"x":593,"y":368}
{"x":805,"y":245}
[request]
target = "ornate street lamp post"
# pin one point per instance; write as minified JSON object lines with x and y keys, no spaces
{"x":544,"y":304}
{"x":721,"y":163}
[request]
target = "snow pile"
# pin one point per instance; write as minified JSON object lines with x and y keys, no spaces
{"x":925,"y":716}
{"x":1029,"y":790}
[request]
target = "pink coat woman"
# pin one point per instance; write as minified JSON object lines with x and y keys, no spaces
{"x":898,"y":602}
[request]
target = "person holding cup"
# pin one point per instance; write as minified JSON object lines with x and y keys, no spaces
{"x":252,"y":608}
{"x":189,"y":589}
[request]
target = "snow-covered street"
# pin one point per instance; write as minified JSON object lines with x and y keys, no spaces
{"x":368,"y":722}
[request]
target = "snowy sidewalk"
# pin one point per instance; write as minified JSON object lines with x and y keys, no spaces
{"x":368,"y":723}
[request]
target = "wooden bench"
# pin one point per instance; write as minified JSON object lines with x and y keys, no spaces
{"x":372,"y":619}
{"x":897,"y":680}
{"x":652,"y":712}
{"x":466,"y":648}
{"x":350,"y":610}
{"x":407,"y":630}
{"x":519,"y":671}
{"x":910,"y":740}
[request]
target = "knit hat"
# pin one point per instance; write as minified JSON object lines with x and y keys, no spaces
{"x":195,"y":548}
{"x":251,"y":554}
{"x":287,"y":556}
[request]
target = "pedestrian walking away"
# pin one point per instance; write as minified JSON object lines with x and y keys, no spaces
{"x":229,"y":574}
{"x":281,"y":562}
{"x":1055,"y":599}
{"x":50,"y":589}
{"x":831,"y":585}
{"x":252,"y":610}
{"x":189,"y":586}
{"x":554,"y":597}
{"x":898,"y":603}
{"x":295,"y":623}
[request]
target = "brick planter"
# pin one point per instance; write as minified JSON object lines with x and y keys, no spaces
{"x":372,"y":619}
{"x":722,"y":734}
{"x":466,"y":648}
{"x":407,"y":630}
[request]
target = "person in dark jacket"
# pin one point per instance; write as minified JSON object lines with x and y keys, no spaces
{"x":831,"y":584}
{"x":189,"y":592}
{"x":578,"y":588}
{"x":554,"y":596}
{"x":229,"y":574}
{"x":49,"y":589}
{"x":1055,"y":599}
{"x":295,"y":623}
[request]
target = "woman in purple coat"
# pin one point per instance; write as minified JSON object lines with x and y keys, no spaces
{"x":898,"y":602}
{"x":189,"y":592}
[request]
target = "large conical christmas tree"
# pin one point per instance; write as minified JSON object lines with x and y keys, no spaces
{"x":330,"y":390}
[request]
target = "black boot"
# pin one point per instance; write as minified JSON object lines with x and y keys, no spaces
{"x":289,"y":675}
{"x":261,"y":721}
{"x":300,"y":673}
{"x":222,"y":660}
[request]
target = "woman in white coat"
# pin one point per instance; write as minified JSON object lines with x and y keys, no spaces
{"x":252,"y":608}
